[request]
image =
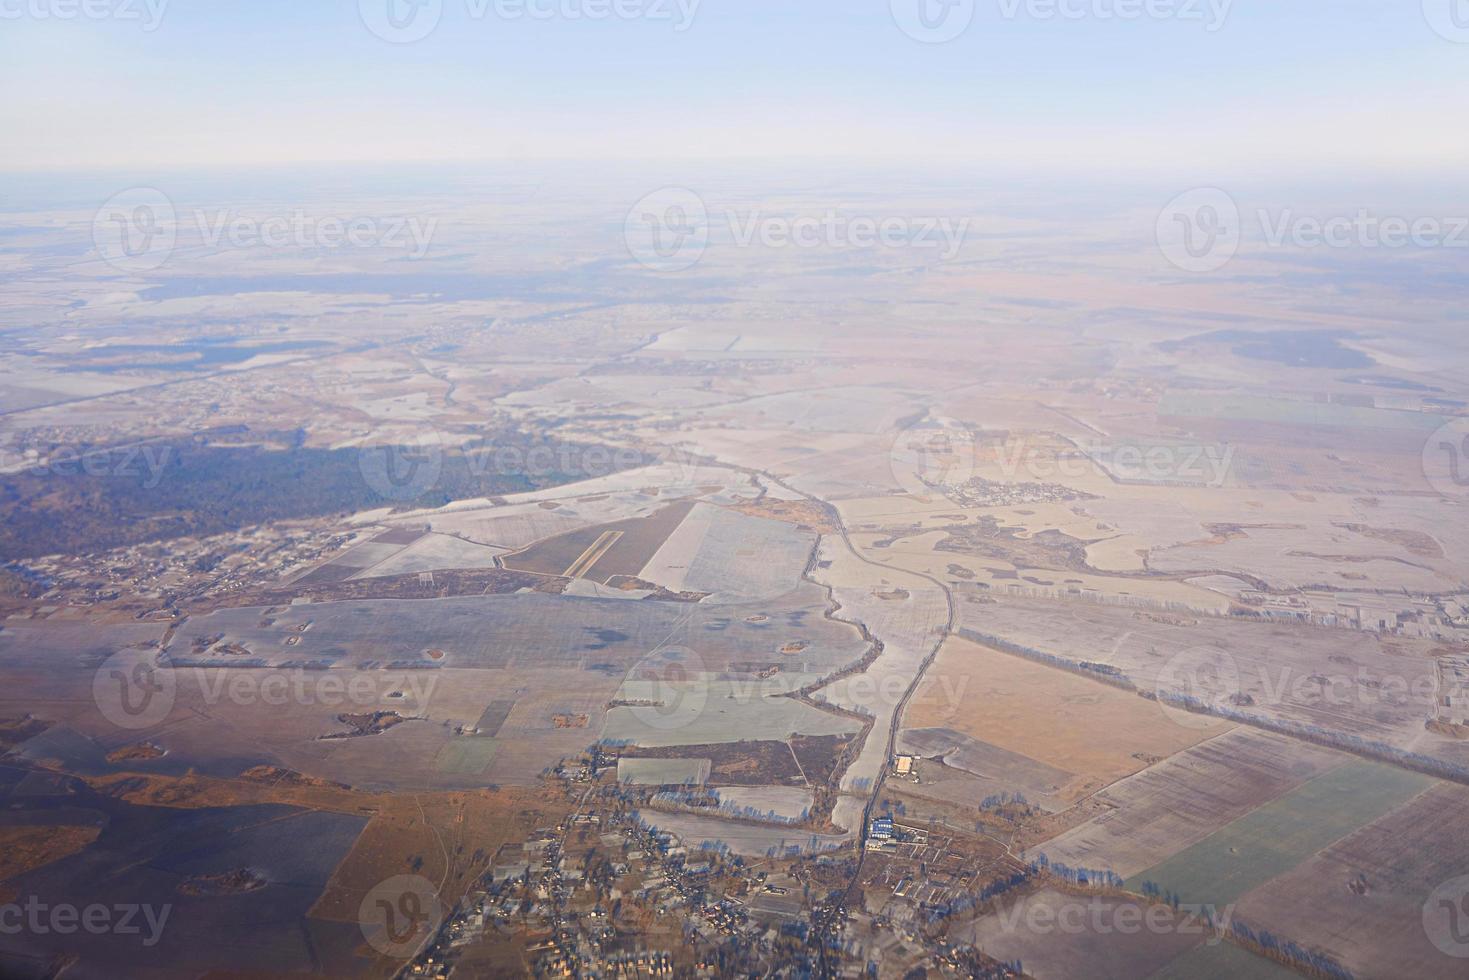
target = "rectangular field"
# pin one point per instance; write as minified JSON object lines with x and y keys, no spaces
{"x":663,"y":772}
{"x":1059,"y":936}
{"x":1277,"y":837}
{"x":1181,"y":801}
{"x":1223,"y":961}
{"x":1061,"y":720}
{"x":1370,"y":898}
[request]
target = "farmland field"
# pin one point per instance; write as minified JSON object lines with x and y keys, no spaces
{"x":1182,"y":800}
{"x":1059,"y":936}
{"x":1223,"y":961}
{"x":604,"y":550}
{"x":1065,"y":722}
{"x":731,"y":556}
{"x":1377,"y":928}
{"x":663,"y":772}
{"x":1277,"y":837}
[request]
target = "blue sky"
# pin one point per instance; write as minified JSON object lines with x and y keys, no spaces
{"x":1297,"y":86}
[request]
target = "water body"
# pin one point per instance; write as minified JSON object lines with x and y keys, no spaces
{"x":203,"y":354}
{"x":1294,"y":348}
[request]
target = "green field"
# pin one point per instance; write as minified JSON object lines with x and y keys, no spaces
{"x":466,"y":756}
{"x":1278,"y":836}
{"x":1223,"y":961}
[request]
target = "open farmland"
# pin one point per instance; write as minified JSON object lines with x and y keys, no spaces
{"x":1064,"y":722}
{"x":990,"y":770}
{"x":738,"y":837}
{"x":1339,"y":686}
{"x":1223,"y":961}
{"x":506,"y":631}
{"x":1365,"y":898}
{"x":432,"y":553}
{"x":1185,"y":798}
{"x":733,"y":557}
{"x":602,"y":551}
{"x":663,"y":772}
{"x":700,"y":709}
{"x":1277,"y":837}
{"x":1060,"y":936}
{"x":469,"y":691}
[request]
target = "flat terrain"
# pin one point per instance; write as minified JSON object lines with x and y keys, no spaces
{"x":1397,"y":861}
{"x":1187,"y":797}
{"x":1275,"y":838}
{"x":604,"y":550}
{"x":1065,"y":722}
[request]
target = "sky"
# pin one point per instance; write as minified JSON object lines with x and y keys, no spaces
{"x":1297,"y":87}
